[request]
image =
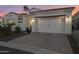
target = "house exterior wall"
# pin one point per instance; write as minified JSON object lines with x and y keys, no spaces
{"x":24,"y":23}
{"x":68,"y":23}
{"x":29,"y":21}
{"x":49,"y":13}
{"x":15,"y":17}
{"x":68,"y":17}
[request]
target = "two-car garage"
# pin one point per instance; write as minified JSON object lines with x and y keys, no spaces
{"x":53,"y":20}
{"x":49,"y":24}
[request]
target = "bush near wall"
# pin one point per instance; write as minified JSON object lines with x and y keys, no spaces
{"x":17,"y":29}
{"x":5,"y":31}
{"x":28,"y":30}
{"x":78,"y":27}
{"x":0,"y":28}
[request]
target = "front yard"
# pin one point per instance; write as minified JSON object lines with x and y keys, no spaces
{"x":6,"y":33}
{"x":50,"y":41}
{"x":38,"y":39}
{"x":10,"y":36}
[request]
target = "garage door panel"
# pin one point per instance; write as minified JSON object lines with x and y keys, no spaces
{"x":49,"y":25}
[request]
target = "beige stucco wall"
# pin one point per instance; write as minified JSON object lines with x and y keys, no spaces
{"x":15,"y":18}
{"x":68,"y":25}
{"x":68,"y":18}
{"x":23,"y":25}
{"x":29,"y":20}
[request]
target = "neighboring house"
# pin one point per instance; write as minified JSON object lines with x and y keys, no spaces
{"x":53,"y":20}
{"x":75,"y":21}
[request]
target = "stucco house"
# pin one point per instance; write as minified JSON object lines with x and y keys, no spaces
{"x":15,"y":19}
{"x":53,"y":20}
{"x":75,"y":21}
{"x":47,"y":21}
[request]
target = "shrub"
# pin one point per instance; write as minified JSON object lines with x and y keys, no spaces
{"x":0,"y":28}
{"x":28,"y":30}
{"x":78,"y":27}
{"x":17,"y":29}
{"x":5,"y":29}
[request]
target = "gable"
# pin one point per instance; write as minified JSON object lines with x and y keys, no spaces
{"x":11,"y":15}
{"x":53,"y":12}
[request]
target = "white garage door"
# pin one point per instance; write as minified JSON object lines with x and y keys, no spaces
{"x":48,"y":25}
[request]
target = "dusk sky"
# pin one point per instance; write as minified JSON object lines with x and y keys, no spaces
{"x":19,"y":8}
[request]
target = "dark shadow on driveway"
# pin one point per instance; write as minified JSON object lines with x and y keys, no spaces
{"x":73,"y":45}
{"x":12,"y":36}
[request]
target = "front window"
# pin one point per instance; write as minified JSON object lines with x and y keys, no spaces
{"x":20,"y":20}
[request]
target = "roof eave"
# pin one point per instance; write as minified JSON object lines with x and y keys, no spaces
{"x":54,"y":9}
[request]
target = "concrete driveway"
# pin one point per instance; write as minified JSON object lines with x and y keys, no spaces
{"x":49,"y":41}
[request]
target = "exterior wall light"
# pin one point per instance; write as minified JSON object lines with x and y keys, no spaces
{"x":68,"y":19}
{"x":33,"y":20}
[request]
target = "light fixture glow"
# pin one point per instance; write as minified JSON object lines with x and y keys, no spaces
{"x":33,"y":20}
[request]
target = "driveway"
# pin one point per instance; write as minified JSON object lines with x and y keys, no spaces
{"x":49,"y":41}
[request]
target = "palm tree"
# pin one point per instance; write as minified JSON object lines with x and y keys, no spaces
{"x":26,"y":9}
